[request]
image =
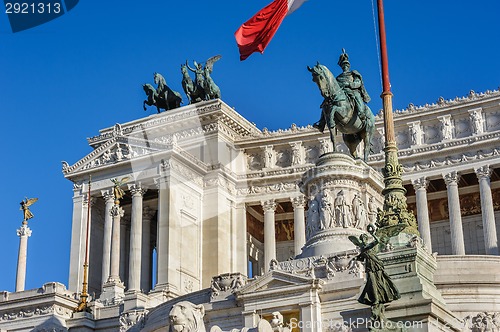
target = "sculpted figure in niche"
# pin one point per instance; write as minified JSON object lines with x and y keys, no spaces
{"x":296,"y":155}
{"x":268,"y":157}
{"x":187,"y":317}
{"x":312,"y":217}
{"x":477,"y":122}
{"x":446,"y":130}
{"x":416,"y":134}
{"x":327,"y":219}
{"x":359,"y":212}
{"x":342,"y":211}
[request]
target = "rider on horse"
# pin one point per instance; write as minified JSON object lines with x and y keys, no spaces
{"x":352,"y":84}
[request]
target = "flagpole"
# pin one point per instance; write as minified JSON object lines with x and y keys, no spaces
{"x":395,"y":207}
{"x":83,"y":304}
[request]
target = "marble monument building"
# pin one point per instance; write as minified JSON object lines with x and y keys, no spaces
{"x":230,"y":219}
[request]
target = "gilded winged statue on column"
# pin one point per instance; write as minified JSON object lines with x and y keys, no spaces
{"x":25,"y":204}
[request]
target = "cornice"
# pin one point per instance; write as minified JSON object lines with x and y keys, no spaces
{"x":443,"y":104}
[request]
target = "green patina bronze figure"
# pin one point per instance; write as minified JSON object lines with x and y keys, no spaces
{"x":193,"y":92}
{"x":162,"y":97}
{"x":203,"y":87}
{"x":344,"y":107}
{"x":379,"y":288}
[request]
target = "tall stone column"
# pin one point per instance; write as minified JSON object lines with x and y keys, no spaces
{"x":24,"y":233}
{"x":106,"y":241}
{"x":124,"y":227}
{"x":134,"y":272}
{"x":114,"y":276}
{"x":488,"y":214}
{"x":269,"y":207}
{"x":146,"y":254}
{"x":420,"y":186}
{"x":457,"y":233}
{"x":299,"y":223}
{"x":77,"y":253}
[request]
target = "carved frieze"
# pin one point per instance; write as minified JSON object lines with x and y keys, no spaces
{"x":267,"y":189}
{"x":324,"y":267}
{"x":482,"y":322}
{"x":28,"y":312}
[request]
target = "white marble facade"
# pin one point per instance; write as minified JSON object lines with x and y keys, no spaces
{"x":209,"y":194}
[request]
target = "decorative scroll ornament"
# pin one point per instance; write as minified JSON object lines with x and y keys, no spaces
{"x":226,"y":284}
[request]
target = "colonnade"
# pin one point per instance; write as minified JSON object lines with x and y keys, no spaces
{"x":269,"y":207}
{"x":451,"y":180}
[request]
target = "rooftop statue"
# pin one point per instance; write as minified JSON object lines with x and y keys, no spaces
{"x":162,"y":97}
{"x":25,"y":204}
{"x":203,"y":87}
{"x":344,"y":107}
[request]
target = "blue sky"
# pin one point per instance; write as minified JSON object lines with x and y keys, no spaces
{"x":63,"y":81}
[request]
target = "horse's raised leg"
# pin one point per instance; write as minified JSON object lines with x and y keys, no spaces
{"x":144,"y":105}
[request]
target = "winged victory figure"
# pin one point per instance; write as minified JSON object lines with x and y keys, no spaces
{"x":212,"y":91}
{"x":118,"y":192}
{"x":25,"y":204}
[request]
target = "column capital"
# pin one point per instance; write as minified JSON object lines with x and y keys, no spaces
{"x":116,"y":211}
{"x":108,"y":196}
{"x":298,"y":201}
{"x":483,"y":172}
{"x":24,"y":231}
{"x":451,"y":178}
{"x":86,"y":201}
{"x":136,"y":189}
{"x":268,"y":205}
{"x":420,"y":183}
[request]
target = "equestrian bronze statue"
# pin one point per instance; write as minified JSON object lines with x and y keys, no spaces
{"x":343,"y":107}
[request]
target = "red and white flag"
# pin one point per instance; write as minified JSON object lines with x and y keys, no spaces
{"x":257,"y":32}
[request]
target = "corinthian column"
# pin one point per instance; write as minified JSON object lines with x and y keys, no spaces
{"x":420,"y":186}
{"x":24,"y":233}
{"x":299,"y":224}
{"x":106,"y":241}
{"x":457,"y":233}
{"x":116,"y":212}
{"x":269,"y":207}
{"x":488,"y":214}
{"x":134,"y":273}
{"x":146,"y":254}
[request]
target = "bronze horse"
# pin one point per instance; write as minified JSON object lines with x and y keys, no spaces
{"x":339,"y":112}
{"x":164,"y":97}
